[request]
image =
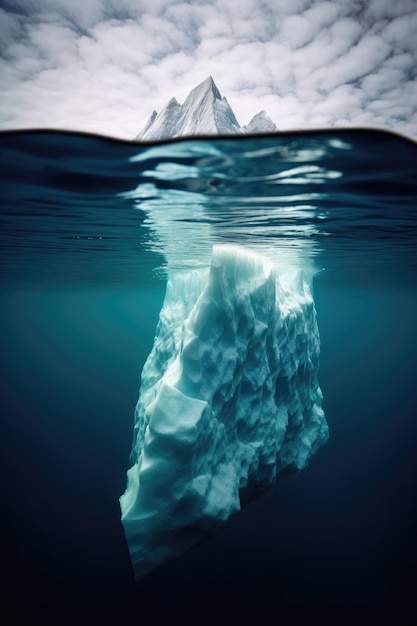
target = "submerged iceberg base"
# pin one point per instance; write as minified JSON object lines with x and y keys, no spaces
{"x":229,"y":399}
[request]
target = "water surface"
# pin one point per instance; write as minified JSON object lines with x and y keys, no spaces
{"x":90,"y":228}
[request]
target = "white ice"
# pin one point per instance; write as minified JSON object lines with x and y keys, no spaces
{"x":204,"y":112}
{"x":229,"y":399}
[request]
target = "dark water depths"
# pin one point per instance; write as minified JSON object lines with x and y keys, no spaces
{"x":89,"y":229}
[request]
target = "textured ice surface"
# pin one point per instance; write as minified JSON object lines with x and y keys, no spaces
{"x":229,"y":399}
{"x":204,"y":112}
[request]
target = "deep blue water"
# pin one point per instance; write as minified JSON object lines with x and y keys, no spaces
{"x":89,"y":229}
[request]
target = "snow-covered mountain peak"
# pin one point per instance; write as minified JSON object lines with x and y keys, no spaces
{"x":206,"y":89}
{"x":172,"y":104}
{"x":204,"y":112}
{"x":260,"y":123}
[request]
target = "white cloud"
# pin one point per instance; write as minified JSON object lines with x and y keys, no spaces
{"x":359,"y":61}
{"x":322,"y":15}
{"x":403,"y":61}
{"x":104,"y":65}
{"x":378,"y":9}
{"x":10,"y":29}
{"x":401,"y":31}
{"x":297,"y":31}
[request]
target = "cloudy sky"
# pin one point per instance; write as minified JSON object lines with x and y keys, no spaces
{"x":104,"y":65}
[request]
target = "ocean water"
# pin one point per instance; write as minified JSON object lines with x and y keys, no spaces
{"x":90,"y":228}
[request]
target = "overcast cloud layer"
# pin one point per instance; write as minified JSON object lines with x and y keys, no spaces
{"x":104,"y":65}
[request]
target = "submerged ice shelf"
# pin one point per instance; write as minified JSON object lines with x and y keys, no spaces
{"x":229,"y":399}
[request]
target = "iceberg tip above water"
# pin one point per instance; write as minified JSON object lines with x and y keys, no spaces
{"x":229,"y":399}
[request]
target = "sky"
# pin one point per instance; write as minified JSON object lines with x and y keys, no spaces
{"x":103,"y":66}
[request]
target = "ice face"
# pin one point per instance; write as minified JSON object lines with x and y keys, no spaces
{"x":204,"y":112}
{"x":229,"y":399}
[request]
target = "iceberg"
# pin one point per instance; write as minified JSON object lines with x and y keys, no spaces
{"x":229,"y":401}
{"x":204,"y":112}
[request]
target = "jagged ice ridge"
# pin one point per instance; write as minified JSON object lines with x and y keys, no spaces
{"x":204,"y":112}
{"x":229,"y":400}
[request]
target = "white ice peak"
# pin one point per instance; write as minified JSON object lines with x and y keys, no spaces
{"x":229,"y":400}
{"x":204,"y":112}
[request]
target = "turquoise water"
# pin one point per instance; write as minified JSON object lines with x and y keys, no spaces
{"x":89,"y":230}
